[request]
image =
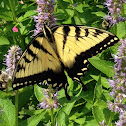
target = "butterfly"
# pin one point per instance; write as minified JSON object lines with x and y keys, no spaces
{"x":58,"y":49}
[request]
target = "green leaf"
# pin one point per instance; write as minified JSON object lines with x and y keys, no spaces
{"x":101,"y":112}
{"x":121,"y":29}
{"x":104,"y":81}
{"x":104,"y":66}
{"x":90,"y":121}
{"x":99,"y":13}
{"x":80,"y":120}
{"x":4,"y":95}
{"x":8,"y":113}
{"x":24,"y":96}
{"x":100,"y":105}
{"x":38,"y":93}
{"x":33,"y":120}
{"x":98,"y":91}
{"x":27,"y":15}
{"x":79,"y":8}
{"x":4,"y":40}
{"x":6,"y":15}
{"x":99,"y":108}
{"x":63,"y":114}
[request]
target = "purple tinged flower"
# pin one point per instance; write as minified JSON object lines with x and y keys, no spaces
{"x":12,"y":58}
{"x":118,"y":84}
{"x":102,"y":123}
{"x":122,"y":119}
{"x":112,"y":83}
{"x":45,"y":11}
{"x":50,"y":100}
{"x":114,"y":7}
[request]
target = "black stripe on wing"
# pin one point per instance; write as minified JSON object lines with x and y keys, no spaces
{"x":81,"y":61}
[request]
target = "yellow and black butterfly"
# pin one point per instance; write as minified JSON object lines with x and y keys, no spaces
{"x":60,"y":48}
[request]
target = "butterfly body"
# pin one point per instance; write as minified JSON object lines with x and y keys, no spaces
{"x":60,"y":48}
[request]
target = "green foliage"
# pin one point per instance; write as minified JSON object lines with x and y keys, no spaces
{"x":86,"y":108}
{"x":8,"y":113}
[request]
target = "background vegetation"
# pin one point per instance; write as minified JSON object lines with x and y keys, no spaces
{"x":86,"y":108}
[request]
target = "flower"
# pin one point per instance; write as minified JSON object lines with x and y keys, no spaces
{"x":50,"y":100}
{"x":115,"y":7}
{"x":21,"y":2}
{"x":12,"y":58}
{"x":45,"y":10}
{"x":15,"y":29}
{"x":118,"y":85}
{"x":122,"y":119}
{"x":102,"y":123}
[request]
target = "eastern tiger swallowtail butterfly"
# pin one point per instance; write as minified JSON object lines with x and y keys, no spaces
{"x":60,"y":48}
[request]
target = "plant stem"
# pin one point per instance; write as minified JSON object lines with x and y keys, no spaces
{"x":75,"y":11}
{"x":12,"y":9}
{"x":16,"y":107}
{"x":52,"y":117}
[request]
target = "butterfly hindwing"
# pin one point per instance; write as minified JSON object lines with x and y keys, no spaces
{"x":75,"y":44}
{"x":39,"y":63}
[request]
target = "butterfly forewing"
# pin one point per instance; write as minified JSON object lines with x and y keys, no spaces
{"x":39,"y":63}
{"x":75,"y":44}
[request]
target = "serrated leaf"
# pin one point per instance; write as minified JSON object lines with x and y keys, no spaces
{"x":104,"y":66}
{"x":4,"y":40}
{"x":8,"y":113}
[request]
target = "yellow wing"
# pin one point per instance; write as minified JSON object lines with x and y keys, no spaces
{"x":75,"y":44}
{"x":39,"y":63}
